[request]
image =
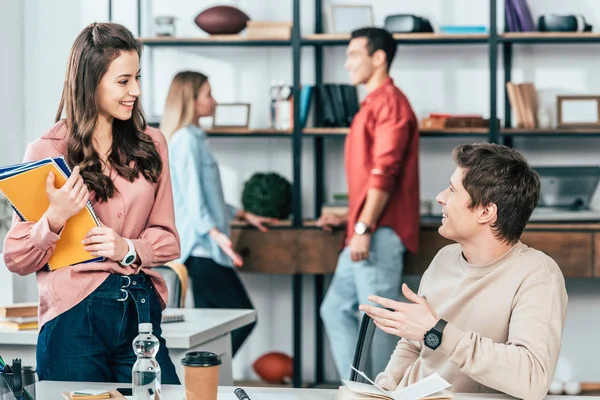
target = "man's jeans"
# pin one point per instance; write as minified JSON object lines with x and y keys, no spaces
{"x":92,"y":341}
{"x":353,"y":282}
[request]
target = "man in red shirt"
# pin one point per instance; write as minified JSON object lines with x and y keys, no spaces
{"x":382,"y":172}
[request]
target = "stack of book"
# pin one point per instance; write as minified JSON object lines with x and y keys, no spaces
{"x":19,"y":317}
{"x":524,"y":101}
{"x":518,"y":16}
{"x":338,"y":104}
{"x":269,"y":30}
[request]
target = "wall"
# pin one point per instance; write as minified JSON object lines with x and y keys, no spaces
{"x":435,"y":78}
{"x":11,"y":81}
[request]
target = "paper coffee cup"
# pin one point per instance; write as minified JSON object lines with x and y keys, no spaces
{"x":201,"y":375}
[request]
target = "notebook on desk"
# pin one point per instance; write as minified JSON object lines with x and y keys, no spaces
{"x":433,"y":387}
{"x":24,"y":187}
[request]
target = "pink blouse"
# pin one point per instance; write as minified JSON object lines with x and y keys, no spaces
{"x":140,"y":210}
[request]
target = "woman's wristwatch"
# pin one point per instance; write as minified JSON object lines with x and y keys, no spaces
{"x":130,"y":256}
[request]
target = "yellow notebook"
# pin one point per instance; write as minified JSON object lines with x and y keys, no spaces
{"x":19,"y":324}
{"x":24,"y":186}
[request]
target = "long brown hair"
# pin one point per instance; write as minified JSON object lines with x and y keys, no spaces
{"x":180,"y":104}
{"x":133,"y":151}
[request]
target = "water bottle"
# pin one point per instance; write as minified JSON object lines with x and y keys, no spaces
{"x":146,"y":371}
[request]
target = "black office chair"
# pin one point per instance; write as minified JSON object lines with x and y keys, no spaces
{"x":176,"y":277}
{"x":373,"y":350}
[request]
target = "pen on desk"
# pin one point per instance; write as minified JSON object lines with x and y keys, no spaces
{"x":241,"y":394}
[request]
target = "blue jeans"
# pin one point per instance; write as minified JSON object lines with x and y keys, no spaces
{"x":92,"y":341}
{"x":353,"y":282}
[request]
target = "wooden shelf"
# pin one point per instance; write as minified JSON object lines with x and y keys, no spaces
{"x":453,"y":132}
{"x":550,"y":132}
{"x":241,"y":132}
{"x":550,"y":37}
{"x":325,"y":131}
{"x":243,"y":224}
{"x":406,"y":38}
{"x":425,"y":132}
{"x":214,"y":40}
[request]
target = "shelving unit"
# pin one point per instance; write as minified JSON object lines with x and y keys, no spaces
{"x":319,"y":41}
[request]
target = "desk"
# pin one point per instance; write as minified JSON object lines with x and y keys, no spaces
{"x":203,"y":329}
{"x":49,"y":390}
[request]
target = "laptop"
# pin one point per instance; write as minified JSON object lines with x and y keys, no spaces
{"x":566,"y":193}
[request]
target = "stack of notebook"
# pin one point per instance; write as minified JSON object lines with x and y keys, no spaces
{"x":24,"y":186}
{"x":18,"y":317}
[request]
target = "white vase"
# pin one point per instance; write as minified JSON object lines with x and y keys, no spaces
{"x":544,"y":118}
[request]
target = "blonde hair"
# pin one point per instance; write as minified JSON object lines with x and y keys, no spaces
{"x":180,"y":105}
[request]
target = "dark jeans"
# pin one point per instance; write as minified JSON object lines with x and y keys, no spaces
{"x":216,"y":286}
{"x":92,"y":341}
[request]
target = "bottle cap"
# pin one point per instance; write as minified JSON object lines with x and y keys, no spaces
{"x":146,"y":327}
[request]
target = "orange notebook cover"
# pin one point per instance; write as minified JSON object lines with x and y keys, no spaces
{"x":24,"y":186}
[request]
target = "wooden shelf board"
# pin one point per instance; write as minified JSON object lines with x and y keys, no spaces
{"x":217,"y":39}
{"x":401,"y":37}
{"x":245,"y":131}
{"x":549,"y":132}
{"x":454,"y":131}
{"x":546,"y":35}
{"x":423,"y":131}
{"x":325,"y":131}
{"x":244,"y":224}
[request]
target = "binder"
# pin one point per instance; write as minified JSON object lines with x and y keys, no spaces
{"x":24,"y":186}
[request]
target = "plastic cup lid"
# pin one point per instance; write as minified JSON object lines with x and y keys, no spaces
{"x":201,"y":359}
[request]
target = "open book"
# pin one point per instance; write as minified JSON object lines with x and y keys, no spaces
{"x":430,"y":388}
{"x":24,"y":186}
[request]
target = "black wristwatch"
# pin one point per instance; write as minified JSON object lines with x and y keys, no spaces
{"x":433,"y":337}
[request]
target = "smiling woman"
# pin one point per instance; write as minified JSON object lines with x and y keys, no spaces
{"x":89,"y":313}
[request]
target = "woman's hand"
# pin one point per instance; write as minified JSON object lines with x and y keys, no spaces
{"x":225,"y":244}
{"x":258,"y":221}
{"x":66,"y":201}
{"x":105,"y":242}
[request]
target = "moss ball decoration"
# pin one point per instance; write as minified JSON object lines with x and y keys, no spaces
{"x":268,"y":194}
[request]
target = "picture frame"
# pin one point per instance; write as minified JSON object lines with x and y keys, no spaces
{"x":231,"y":115}
{"x":581,"y":111}
{"x":344,"y":18}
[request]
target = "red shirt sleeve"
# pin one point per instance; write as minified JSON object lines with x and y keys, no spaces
{"x":391,"y":137}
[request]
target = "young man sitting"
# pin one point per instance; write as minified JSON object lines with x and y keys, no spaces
{"x":490,"y":311}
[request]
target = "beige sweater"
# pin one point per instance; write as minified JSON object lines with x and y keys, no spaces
{"x":505,"y":325}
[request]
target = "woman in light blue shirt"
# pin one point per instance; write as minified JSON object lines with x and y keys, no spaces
{"x":201,"y":215}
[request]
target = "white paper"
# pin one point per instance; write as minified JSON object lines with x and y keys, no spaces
{"x":363,"y":388}
{"x":231,"y":115}
{"x":89,"y":392}
{"x":579,"y":111}
{"x":368,"y":379}
{"x":433,"y":384}
{"x":424,"y":388}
